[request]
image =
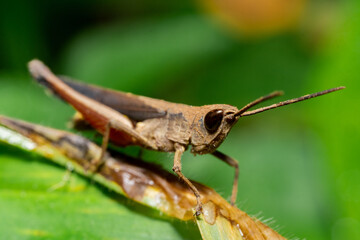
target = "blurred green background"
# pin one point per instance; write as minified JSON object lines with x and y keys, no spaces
{"x":299,"y":164}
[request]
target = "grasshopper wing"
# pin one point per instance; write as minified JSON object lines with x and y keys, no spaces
{"x":126,"y":103}
{"x":94,"y":112}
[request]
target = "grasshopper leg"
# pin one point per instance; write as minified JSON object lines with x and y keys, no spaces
{"x":177,"y":169}
{"x":97,"y":162}
{"x":117,"y":125}
{"x":232,"y":162}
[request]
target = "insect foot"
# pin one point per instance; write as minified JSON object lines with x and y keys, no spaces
{"x":198,"y":209}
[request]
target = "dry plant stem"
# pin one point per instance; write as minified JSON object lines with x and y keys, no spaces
{"x":177,"y":169}
{"x":232,"y":162}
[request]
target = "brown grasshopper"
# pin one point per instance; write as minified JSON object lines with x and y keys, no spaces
{"x":128,"y":119}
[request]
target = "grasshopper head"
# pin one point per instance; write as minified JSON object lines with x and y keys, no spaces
{"x":213,"y":122}
{"x":211,"y":126}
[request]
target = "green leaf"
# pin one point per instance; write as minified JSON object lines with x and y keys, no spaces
{"x":83,"y":210}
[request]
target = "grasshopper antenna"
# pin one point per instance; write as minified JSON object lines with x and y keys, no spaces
{"x":243,"y":112}
{"x":259,"y":100}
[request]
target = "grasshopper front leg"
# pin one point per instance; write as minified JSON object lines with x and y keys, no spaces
{"x":179,"y":150}
{"x":232,"y":162}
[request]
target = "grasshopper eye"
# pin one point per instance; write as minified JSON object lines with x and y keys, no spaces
{"x":213,"y":120}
